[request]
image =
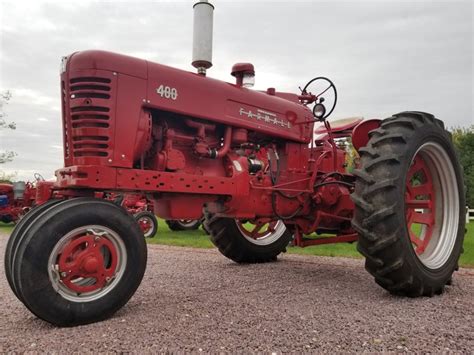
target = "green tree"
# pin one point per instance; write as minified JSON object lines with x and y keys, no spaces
{"x":463,"y":139}
{"x":5,"y":155}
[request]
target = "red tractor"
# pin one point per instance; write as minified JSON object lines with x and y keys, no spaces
{"x":139,"y":207}
{"x":17,"y":199}
{"x":192,"y":142}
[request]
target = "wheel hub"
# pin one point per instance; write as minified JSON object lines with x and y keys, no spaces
{"x":145,"y":224}
{"x":90,"y":265}
{"x":86,"y":262}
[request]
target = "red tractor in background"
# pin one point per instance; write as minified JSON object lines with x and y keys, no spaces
{"x":190,"y":143}
{"x":139,"y":207}
{"x":17,"y":199}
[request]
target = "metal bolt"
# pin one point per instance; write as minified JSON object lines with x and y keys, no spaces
{"x":114,"y":73}
{"x":73,"y":96}
{"x":107,"y":279}
{"x":97,"y":238}
{"x":64,"y":274}
{"x":123,"y":156}
{"x":148,"y":101}
{"x":144,"y":100}
{"x":110,"y":160}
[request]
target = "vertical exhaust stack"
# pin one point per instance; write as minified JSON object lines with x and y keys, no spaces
{"x":202,"y":36}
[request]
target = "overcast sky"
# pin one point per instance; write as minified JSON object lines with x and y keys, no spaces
{"x":384,"y":56}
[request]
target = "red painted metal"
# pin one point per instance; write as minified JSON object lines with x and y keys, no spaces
{"x":350,"y":238}
{"x":16,"y":207}
{"x":257,"y":230}
{"x":360,"y":133}
{"x":190,"y":141}
{"x":420,"y":204}
{"x":83,"y":258}
{"x":145,"y":224}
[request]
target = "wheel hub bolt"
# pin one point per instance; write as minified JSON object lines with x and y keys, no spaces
{"x":63,"y":274}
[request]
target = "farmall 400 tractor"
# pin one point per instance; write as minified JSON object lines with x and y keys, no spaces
{"x":191,"y":143}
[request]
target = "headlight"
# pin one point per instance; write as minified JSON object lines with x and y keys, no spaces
{"x":319,"y":111}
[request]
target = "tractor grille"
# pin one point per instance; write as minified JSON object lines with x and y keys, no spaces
{"x":89,"y":125}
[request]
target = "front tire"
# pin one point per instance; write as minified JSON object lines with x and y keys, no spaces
{"x":252,"y":245}
{"x":147,"y":222}
{"x":409,"y":199}
{"x":79,"y":262}
{"x":15,"y":237}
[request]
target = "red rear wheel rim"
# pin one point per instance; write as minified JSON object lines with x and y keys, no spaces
{"x":420,"y":202}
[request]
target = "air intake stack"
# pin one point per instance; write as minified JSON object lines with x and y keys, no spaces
{"x":202,"y":36}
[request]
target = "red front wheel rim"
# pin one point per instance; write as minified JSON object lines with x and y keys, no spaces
{"x":87,"y":263}
{"x":146,"y":225}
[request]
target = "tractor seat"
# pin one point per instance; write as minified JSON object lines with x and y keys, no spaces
{"x":341,"y":125}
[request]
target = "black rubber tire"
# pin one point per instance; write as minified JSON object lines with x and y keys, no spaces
{"x":6,"y":219}
{"x":31,"y":261}
{"x":379,"y":198}
{"x":227,"y":237}
{"x":153,"y":219}
{"x":17,"y":232}
{"x":177,"y":225}
{"x":204,"y":227}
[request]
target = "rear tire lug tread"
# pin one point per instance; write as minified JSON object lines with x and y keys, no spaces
{"x":369,"y":151}
{"x":378,"y":216}
{"x":406,"y":123}
{"x":362,"y":204}
{"x":386,"y":185}
{"x":387,"y":255}
{"x":364,"y":252}
{"x":390,"y":268}
{"x":395,"y":137}
{"x":367,"y":178}
{"x":386,"y":159}
{"x":365,"y":233}
{"x":383,"y":243}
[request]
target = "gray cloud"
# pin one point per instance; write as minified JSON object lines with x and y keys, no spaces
{"x":384,"y":56}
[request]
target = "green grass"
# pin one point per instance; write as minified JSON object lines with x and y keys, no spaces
{"x":199,"y":239}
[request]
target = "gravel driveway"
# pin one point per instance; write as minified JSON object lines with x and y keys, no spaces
{"x":196,"y":300}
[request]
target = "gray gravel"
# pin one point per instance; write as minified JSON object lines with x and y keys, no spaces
{"x":196,"y":300}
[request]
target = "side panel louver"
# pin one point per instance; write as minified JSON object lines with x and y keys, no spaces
{"x":89,"y":102}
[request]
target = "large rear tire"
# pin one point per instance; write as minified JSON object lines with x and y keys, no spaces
{"x":409,"y":199}
{"x":239,"y":244}
{"x":79,"y":262}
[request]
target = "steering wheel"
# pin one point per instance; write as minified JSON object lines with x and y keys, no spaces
{"x":38,"y":177}
{"x":319,"y":110}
